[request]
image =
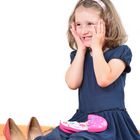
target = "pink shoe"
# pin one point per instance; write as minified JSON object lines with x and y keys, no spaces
{"x":95,"y":123}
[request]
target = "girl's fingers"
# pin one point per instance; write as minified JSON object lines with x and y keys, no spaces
{"x":94,"y":30}
{"x":98,"y":27}
{"x":73,"y":30}
{"x":74,"y":33}
{"x":102,"y":27}
{"x":98,"y":34}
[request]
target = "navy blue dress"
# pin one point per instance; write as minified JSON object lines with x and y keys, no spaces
{"x":107,"y":102}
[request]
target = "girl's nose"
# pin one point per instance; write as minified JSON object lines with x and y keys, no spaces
{"x":85,"y":30}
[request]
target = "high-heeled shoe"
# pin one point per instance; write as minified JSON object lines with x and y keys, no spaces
{"x":34,"y":129}
{"x":11,"y":131}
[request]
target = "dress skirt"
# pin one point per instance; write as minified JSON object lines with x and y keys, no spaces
{"x":120,"y":127}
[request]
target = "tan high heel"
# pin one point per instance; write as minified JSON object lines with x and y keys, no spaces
{"x":33,"y":129}
{"x":11,"y":131}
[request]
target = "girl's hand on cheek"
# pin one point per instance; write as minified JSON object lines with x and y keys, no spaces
{"x":98,"y":36}
{"x":79,"y":42}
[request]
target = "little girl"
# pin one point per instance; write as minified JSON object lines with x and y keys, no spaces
{"x":99,"y":64}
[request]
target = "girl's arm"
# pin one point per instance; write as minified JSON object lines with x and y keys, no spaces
{"x":106,"y":73}
{"x":74,"y":74}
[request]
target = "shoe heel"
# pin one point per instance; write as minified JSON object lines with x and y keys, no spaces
{"x":34,"y":129}
{"x":11,"y":131}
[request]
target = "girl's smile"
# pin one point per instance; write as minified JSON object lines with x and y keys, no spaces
{"x":86,"y":38}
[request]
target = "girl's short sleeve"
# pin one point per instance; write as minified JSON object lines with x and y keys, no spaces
{"x":124,"y":53}
{"x":72,"y":55}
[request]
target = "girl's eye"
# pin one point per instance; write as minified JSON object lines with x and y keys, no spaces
{"x":91,"y":23}
{"x":78,"y":24}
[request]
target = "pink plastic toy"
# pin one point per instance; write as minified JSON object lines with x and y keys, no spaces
{"x":94,"y":123}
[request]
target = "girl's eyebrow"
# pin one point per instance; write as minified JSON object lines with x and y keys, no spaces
{"x":92,"y":22}
{"x":77,"y":22}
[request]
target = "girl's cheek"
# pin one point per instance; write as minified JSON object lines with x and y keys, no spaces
{"x":78,"y":31}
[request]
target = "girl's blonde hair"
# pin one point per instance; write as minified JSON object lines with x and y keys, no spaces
{"x":115,"y":32}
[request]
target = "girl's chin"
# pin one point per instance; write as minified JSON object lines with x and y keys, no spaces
{"x":87,"y":45}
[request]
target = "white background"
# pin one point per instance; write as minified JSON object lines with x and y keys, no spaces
{"x":34,"y":56}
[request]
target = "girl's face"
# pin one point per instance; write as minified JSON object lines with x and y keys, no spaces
{"x":86,"y":20}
